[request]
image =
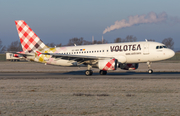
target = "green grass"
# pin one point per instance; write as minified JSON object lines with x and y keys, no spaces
{"x":2,"y":57}
{"x":176,"y":56}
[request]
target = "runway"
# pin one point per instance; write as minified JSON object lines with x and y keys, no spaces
{"x":80,"y":75}
{"x":32,"y":88}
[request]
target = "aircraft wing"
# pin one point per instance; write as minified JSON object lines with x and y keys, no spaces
{"x":78,"y":58}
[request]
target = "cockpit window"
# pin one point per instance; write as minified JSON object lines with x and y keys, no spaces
{"x":157,"y":47}
{"x":160,"y":47}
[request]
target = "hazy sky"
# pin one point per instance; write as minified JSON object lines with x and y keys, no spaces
{"x":58,"y":21}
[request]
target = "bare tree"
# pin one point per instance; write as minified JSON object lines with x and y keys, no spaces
{"x":77,"y":41}
{"x":87,"y":42}
{"x":118,"y":40}
{"x":51,"y":44}
{"x":168,"y":42}
{"x":97,"y":42}
{"x":150,"y":39}
{"x":2,"y":48}
{"x":58,"y":45}
{"x":15,"y":46}
{"x":130,"y":38}
{"x":105,"y":41}
{"x":0,"y":44}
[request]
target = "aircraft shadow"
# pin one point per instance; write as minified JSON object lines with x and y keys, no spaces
{"x":120,"y":73}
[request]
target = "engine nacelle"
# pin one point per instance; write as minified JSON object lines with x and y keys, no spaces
{"x":108,"y":64}
{"x":133,"y":66}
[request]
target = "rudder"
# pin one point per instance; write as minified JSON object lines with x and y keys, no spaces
{"x":30,"y":42}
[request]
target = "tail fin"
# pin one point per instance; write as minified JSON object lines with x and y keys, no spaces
{"x":30,"y":42}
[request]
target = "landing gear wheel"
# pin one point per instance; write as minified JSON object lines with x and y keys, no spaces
{"x":102,"y":72}
{"x":88,"y":72}
{"x":150,"y":71}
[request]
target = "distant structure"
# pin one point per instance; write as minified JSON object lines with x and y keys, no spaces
{"x":102,"y":40}
{"x":92,"y":39}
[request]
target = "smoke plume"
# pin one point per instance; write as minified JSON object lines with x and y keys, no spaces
{"x":137,"y":19}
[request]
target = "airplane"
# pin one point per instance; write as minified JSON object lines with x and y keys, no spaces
{"x":105,"y":57}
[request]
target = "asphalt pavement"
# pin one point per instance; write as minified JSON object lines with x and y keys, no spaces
{"x":80,"y":75}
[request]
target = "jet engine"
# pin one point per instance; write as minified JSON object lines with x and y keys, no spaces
{"x":107,"y":64}
{"x":132,"y":66}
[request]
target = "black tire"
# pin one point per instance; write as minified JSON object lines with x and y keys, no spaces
{"x":105,"y":72}
{"x":150,"y":71}
{"x":88,"y":72}
{"x":102,"y":72}
{"x":91,"y":72}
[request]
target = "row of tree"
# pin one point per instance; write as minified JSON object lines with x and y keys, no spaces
{"x":79,"y":41}
{"x":16,"y":45}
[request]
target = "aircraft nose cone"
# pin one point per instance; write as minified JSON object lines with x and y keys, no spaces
{"x":171,"y":53}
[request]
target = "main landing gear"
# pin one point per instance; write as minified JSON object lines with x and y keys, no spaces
{"x":102,"y":72}
{"x":89,"y":72}
{"x":150,"y":71}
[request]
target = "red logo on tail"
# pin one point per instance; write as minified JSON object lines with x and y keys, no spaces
{"x":38,"y":53}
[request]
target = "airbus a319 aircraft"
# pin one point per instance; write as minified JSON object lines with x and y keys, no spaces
{"x":105,"y":57}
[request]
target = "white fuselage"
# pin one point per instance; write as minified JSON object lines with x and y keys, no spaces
{"x":130,"y":52}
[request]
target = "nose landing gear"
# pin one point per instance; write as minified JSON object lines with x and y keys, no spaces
{"x":150,"y":71}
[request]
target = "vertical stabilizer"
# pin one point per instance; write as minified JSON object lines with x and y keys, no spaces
{"x":30,"y":42}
